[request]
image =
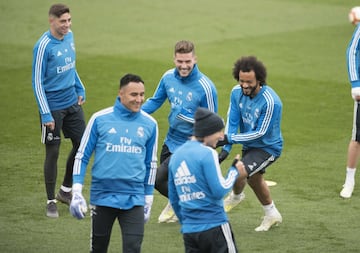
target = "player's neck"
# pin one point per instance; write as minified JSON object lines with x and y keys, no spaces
{"x":57,"y":35}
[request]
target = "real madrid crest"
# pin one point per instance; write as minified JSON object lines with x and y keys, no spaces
{"x":189,"y":96}
{"x":140,"y":132}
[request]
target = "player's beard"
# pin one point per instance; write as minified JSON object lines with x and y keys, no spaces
{"x":62,"y":31}
{"x":251,"y":91}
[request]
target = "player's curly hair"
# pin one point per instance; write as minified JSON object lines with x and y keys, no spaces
{"x":248,"y":63}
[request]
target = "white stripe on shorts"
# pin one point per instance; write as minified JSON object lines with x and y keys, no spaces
{"x":43,"y":133}
{"x":354,"y":127}
{"x":228,"y":237}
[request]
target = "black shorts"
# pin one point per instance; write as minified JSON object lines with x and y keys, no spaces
{"x":219,"y":239}
{"x":165,"y":153}
{"x":356,"y":123}
{"x":70,"y":120}
{"x":256,"y":160}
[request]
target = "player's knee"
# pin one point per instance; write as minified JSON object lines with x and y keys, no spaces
{"x":52,"y":151}
{"x":132,"y":243}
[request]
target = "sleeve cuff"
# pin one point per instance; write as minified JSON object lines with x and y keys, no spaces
{"x":77,"y":188}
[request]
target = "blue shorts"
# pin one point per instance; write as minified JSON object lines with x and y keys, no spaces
{"x":70,"y":120}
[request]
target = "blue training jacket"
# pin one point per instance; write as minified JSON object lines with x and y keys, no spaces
{"x":353,"y":58}
{"x":197,"y":187}
{"x":55,"y":81}
{"x":125,"y":161}
{"x":255,"y":122}
{"x":185,"y":95}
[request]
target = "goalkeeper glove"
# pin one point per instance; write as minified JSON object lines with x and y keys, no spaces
{"x":78,"y":207}
{"x":223,"y":155}
{"x":147,"y":207}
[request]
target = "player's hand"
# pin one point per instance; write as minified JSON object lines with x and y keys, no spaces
{"x":355,"y":93}
{"x":78,"y":207}
{"x":238,"y":164}
{"x":147,"y":207}
{"x":223,"y":142}
{"x":80,"y":100}
{"x":50,"y":125}
{"x":223,"y":155}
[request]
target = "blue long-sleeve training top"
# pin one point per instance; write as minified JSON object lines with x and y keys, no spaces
{"x":353,"y":58}
{"x":124,"y":144}
{"x":255,"y":122}
{"x":185,"y":95}
{"x":55,"y":81}
{"x":197,"y":187}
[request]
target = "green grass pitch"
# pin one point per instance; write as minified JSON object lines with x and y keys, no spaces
{"x":303,"y":45}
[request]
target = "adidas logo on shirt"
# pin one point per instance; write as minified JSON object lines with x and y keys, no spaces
{"x":112,"y":131}
{"x":184,"y":178}
{"x":183,"y":175}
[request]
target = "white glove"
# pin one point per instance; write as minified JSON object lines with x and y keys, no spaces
{"x":355,"y":92}
{"x":78,"y":207}
{"x":147,"y":207}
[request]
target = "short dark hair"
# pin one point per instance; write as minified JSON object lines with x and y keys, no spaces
{"x":127,"y":78}
{"x":58,"y":9}
{"x":184,"y":47}
{"x":248,"y":63}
